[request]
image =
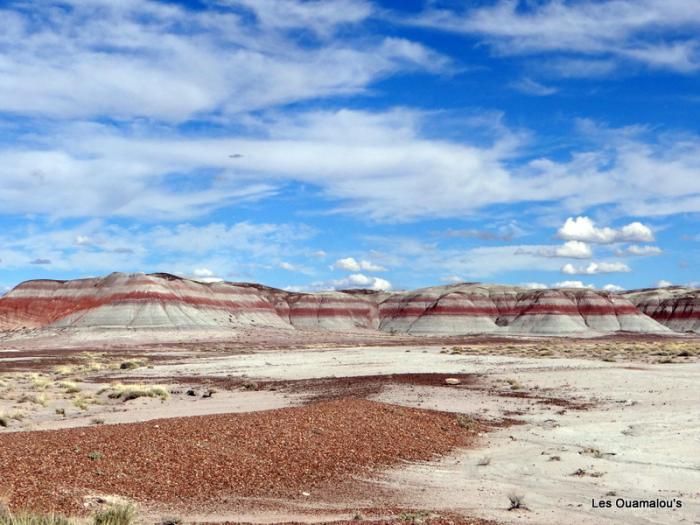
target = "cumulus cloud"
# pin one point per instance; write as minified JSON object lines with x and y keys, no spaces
{"x":663,"y":283}
{"x":573,"y":284}
{"x":612,"y":288}
{"x":640,"y":251}
{"x":595,"y":268}
{"x":584,"y":229}
{"x":582,"y":285}
{"x":356,"y":280}
{"x":352,"y":265}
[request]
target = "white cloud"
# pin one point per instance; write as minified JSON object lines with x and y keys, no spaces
{"x":202,"y":251}
{"x":82,"y":240}
{"x":352,"y":265}
{"x":591,"y":28}
{"x":290,"y":267}
{"x":534,"y":286}
{"x":641,"y":251}
{"x":570,"y":249}
{"x":320,"y":17}
{"x":320,"y":254}
{"x":211,"y":60}
{"x":392,"y":170}
{"x":205,"y":275}
{"x":573,"y":284}
{"x":584,"y":229}
{"x":612,"y":288}
{"x":663,"y":283}
{"x":356,"y":280}
{"x":532,"y":87}
{"x":575,"y":249}
{"x":595,"y":268}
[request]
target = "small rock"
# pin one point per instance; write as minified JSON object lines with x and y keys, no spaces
{"x":452,"y":381}
{"x":307,"y":494}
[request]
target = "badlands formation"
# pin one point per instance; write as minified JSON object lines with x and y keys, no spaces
{"x":166,"y":301}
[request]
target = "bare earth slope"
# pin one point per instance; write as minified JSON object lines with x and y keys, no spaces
{"x":169,"y":302}
{"x":676,"y":307}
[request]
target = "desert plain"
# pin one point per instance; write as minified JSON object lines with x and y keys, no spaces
{"x":272,"y":426}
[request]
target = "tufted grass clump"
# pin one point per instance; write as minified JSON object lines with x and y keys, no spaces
{"x":30,"y":518}
{"x":131,"y":364}
{"x":115,"y":514}
{"x":69,"y":387}
{"x":129,"y":392}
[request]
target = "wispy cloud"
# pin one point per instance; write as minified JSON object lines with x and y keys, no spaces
{"x":657,"y":33}
{"x":161,"y":60}
{"x":532,"y":87}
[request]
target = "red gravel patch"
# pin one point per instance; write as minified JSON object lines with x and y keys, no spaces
{"x":193,"y":462}
{"x":318,"y":389}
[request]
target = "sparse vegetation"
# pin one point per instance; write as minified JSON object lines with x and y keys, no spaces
{"x":129,"y":392}
{"x":466,"y":422}
{"x":514,"y":384}
{"x":115,"y":514}
{"x":39,"y":382}
{"x":28,"y":518}
{"x":413,"y":517}
{"x":517,"y":501}
{"x":250,"y":385}
{"x":70,"y":387}
{"x":131,"y":364}
{"x":6,"y":418}
{"x":37,"y":399}
{"x":590,"y":451}
{"x":81,"y":403}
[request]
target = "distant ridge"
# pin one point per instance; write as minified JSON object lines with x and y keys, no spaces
{"x":162,"y":300}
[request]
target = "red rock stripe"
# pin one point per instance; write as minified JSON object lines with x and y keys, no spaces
{"x":50,"y":310}
{"x":670,"y":316}
{"x":535,"y":309}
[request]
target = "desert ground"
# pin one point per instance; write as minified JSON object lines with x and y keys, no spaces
{"x":312,"y":427}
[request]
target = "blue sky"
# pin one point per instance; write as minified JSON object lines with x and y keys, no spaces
{"x":347,"y":143}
